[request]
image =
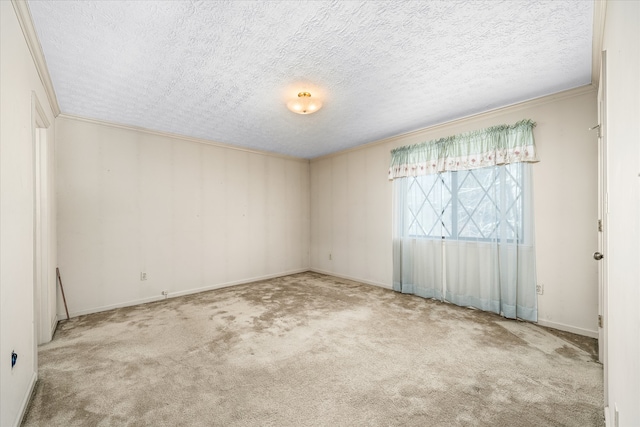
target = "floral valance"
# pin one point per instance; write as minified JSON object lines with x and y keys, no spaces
{"x":497,"y":145}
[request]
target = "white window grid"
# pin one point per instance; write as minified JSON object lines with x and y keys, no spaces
{"x":477,"y":205}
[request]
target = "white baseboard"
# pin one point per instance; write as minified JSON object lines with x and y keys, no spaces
{"x":568,"y":328}
{"x":180,"y":293}
{"x":355,"y":279}
{"x":111,"y":306}
{"x":236,"y":282}
{"x":54,"y":325}
{"x":26,"y":400}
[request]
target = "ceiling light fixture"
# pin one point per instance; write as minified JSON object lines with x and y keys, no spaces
{"x":303,"y":104}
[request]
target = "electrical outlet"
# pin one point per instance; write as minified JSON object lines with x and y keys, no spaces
{"x":143,"y":275}
{"x":540,"y":288}
{"x":165,"y":293}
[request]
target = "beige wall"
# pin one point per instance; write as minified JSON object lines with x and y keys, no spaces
{"x":192,"y":216}
{"x":19,"y":85}
{"x":622,"y":44}
{"x":351,"y":201}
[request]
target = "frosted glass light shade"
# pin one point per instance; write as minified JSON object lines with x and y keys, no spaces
{"x":304,"y":104}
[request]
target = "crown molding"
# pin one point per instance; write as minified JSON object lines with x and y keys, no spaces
{"x":599,"y":16}
{"x":178,"y":137}
{"x":570,"y":93}
{"x":31,"y":37}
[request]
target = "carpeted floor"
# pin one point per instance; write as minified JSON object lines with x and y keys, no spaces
{"x":311,"y":350}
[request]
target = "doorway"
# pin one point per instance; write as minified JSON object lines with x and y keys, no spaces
{"x":44,"y":287}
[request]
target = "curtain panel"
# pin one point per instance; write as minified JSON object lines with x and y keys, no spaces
{"x":464,"y":229}
{"x":497,"y":145}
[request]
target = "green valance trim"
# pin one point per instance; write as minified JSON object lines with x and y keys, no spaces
{"x":497,"y":145}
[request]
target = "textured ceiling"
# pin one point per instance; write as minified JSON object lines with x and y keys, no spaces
{"x":223,"y":70}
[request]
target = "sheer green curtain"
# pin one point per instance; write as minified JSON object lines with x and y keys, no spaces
{"x":464,"y":220}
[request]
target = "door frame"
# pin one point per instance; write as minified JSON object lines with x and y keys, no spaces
{"x":603,"y":225}
{"x":43,"y":286}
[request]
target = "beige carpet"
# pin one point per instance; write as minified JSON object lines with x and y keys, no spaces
{"x":311,"y":350}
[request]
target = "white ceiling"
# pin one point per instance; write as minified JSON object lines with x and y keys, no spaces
{"x":223,"y":70}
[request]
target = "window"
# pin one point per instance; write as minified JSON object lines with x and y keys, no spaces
{"x":476,"y":205}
